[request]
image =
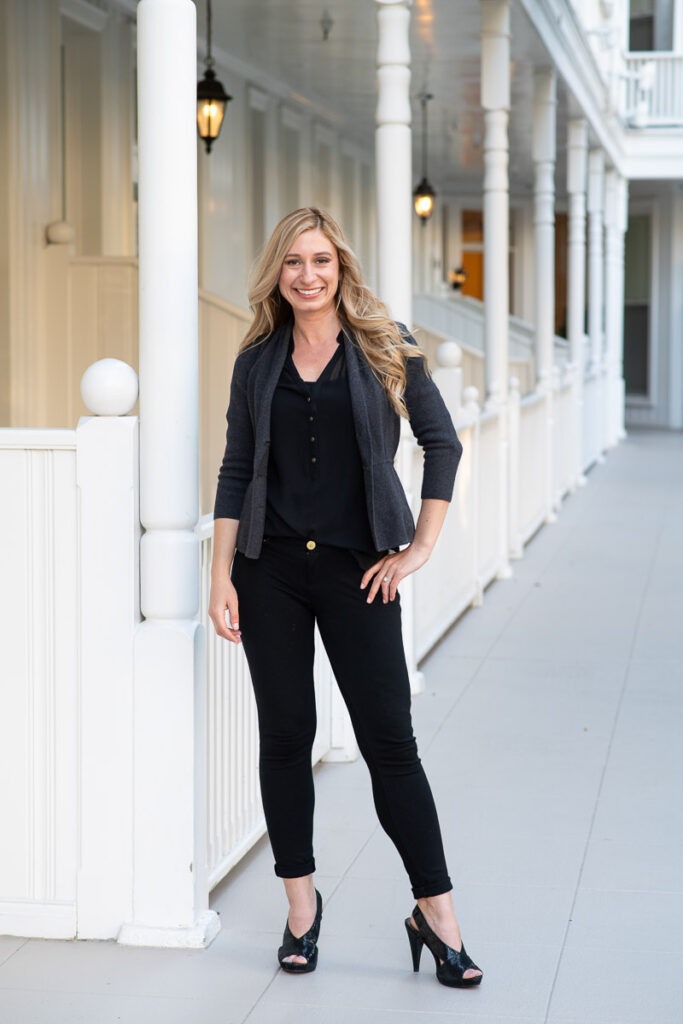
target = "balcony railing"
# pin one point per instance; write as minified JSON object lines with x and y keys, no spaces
{"x":654,"y":89}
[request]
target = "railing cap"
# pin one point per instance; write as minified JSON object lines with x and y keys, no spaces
{"x":449,"y":354}
{"x":109,"y":387}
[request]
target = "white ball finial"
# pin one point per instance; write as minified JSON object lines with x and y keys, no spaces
{"x":109,"y":387}
{"x":471,"y":397}
{"x":449,"y":353}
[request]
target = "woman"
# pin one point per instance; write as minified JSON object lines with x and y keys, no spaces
{"x":311,"y":514}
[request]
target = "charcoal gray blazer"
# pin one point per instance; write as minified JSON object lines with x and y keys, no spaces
{"x":242,"y":479}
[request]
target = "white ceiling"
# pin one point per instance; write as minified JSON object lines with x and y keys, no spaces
{"x":284,"y":39}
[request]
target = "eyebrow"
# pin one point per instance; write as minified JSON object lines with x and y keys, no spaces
{"x":323,"y":253}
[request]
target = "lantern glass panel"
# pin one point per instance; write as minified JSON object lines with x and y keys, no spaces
{"x":210,"y":117}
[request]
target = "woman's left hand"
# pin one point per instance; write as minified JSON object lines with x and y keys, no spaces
{"x":391,"y":569}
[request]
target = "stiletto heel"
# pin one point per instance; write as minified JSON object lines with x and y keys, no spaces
{"x":305,"y":945}
{"x":416,"y":943}
{"x":451,"y":964}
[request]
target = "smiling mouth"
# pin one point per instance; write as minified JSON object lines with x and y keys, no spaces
{"x":308,"y":293}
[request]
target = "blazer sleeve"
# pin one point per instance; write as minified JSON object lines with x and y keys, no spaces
{"x":433,"y":428}
{"x":236,"y":469}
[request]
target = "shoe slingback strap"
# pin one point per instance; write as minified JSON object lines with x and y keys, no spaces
{"x":458,"y":958}
{"x":304,"y":945}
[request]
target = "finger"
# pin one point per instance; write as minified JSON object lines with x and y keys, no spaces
{"x":368,"y":574}
{"x":387,"y":581}
{"x":379,"y":582}
{"x":377,"y":571}
{"x":374,"y":588}
{"x":393,"y":589}
{"x":221,"y":627}
{"x":233,"y":613}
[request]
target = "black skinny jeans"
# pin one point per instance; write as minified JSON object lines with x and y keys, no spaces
{"x":281,"y":595}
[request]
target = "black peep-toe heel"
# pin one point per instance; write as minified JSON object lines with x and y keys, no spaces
{"x":306,"y":945}
{"x":451,"y":964}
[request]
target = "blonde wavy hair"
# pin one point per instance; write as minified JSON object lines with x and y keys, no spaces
{"x":364,"y":317}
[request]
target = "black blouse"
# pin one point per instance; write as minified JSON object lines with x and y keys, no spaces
{"x":315,"y":474}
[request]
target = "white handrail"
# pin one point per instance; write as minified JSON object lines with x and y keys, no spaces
{"x":653,"y":93}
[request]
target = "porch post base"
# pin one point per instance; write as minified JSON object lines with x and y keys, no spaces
{"x":195,"y":936}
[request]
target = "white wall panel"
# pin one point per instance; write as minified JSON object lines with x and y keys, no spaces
{"x":39,"y":696}
{"x":224,"y":201}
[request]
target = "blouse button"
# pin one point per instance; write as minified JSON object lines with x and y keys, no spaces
{"x":310,"y":544}
{"x":310,"y":418}
{"x":313,"y":459}
{"x":312,"y":439}
{"x":308,"y":398}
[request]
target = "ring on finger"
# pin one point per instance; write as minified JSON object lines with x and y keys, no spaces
{"x":386,"y":579}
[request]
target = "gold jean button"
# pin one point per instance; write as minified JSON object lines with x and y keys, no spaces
{"x":310,"y":544}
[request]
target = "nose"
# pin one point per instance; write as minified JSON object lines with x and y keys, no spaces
{"x":307,"y":271}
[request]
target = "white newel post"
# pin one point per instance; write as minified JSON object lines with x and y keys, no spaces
{"x":615,"y":227}
{"x":577,"y":154}
{"x":596,"y":190}
{"x":495,"y":99}
{"x":107,"y":447}
{"x":393,"y":180}
{"x":543,"y":151}
{"x":170,"y":896}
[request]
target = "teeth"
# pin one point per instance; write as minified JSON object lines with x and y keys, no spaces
{"x":310,"y":291}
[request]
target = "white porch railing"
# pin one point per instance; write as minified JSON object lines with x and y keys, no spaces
{"x":530,"y":489}
{"x":235,"y":814}
{"x":40,"y":556}
{"x":473,"y":371}
{"x":462,"y":318}
{"x":654,"y":88}
{"x":593,"y":433}
{"x":476,"y":542}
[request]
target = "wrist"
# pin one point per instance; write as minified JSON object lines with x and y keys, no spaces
{"x":220,"y":570}
{"x":421,"y":547}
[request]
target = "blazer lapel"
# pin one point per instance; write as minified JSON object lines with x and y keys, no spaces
{"x":263,"y":379}
{"x":360,"y":387}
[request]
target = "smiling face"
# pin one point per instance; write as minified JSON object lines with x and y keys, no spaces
{"x":310,"y":273}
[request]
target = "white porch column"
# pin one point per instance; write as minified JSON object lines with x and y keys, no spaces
{"x":577,"y":152}
{"x":170,"y":889}
{"x":393,"y":181}
{"x":393,"y":158}
{"x":596,"y":282}
{"x":543,"y":152}
{"x":495,"y":99}
{"x":545,"y":105}
{"x":615,"y":226}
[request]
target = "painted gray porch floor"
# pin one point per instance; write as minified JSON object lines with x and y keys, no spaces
{"x":551,"y":731}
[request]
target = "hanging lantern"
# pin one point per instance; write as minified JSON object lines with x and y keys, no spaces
{"x":212,"y":98}
{"x":424,"y":195}
{"x":423,"y":198}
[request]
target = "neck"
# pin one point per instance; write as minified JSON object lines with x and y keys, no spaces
{"x":316,"y":328}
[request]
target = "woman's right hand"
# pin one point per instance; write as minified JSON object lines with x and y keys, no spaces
{"x":224,"y":596}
